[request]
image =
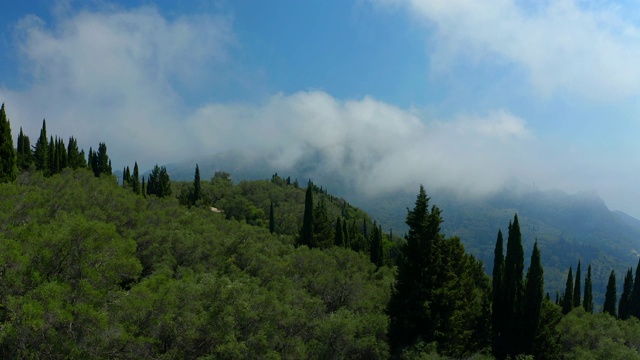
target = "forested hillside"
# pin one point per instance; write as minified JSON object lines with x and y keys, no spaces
{"x":94,"y":267}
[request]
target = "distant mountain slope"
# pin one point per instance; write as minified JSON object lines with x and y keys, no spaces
{"x":568,"y":227}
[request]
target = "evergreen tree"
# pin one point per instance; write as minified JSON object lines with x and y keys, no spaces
{"x":75,"y":158}
{"x":126,"y":177}
{"x":375,"y":252}
{"x":345,"y":234}
{"x":567,"y":297}
{"x":323,"y":236}
{"x":53,"y":158}
{"x":498,"y":309}
{"x":610,"y":296}
{"x":101,"y":163}
{"x":272,"y":221}
{"x":587,"y":302}
{"x":144,"y":189}
{"x":135,"y":179}
{"x":339,"y":233}
{"x":534,"y":290}
{"x":576,"y":288}
{"x":635,"y":294}
{"x":24,"y":156}
{"x":41,"y":150}
{"x":62,"y":154}
{"x":624,"y":307}
{"x":197,"y":192}
{"x":159,"y":183}
{"x":90,"y":159}
{"x":8,"y":167}
{"x":513,"y":289}
{"x":306,"y":232}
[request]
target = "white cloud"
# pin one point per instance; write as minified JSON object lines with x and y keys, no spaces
{"x":563,"y":45}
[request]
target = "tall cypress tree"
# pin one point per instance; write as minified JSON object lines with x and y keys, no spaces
{"x":41,"y":150}
{"x":197,"y":190}
{"x":513,"y":289}
{"x":567,"y":297}
{"x":375,"y":251}
{"x":534,"y":293}
{"x":323,"y":236}
{"x":624,"y":307}
{"x":587,"y":302}
{"x":135,"y":179}
{"x":8,"y":167}
{"x":576,"y":288}
{"x":24,"y":157}
{"x":272,"y":220}
{"x":635,"y":294}
{"x":498,"y":310}
{"x":339,"y":234}
{"x":75,"y":159}
{"x":53,"y":159}
{"x":345,"y":234}
{"x":306,"y":232}
{"x":610,"y":296}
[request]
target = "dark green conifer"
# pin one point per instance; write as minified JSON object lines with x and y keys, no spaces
{"x":567,"y":297}
{"x":624,"y":307}
{"x":498,"y":310}
{"x":587,"y":302}
{"x":576,"y":288}
{"x":306,"y":232}
{"x":323,"y":236}
{"x":62,"y":154}
{"x":144,"y":190}
{"x":159,"y":183}
{"x":272,"y":221}
{"x":610,"y":296}
{"x":75,"y":158}
{"x":513,"y":289}
{"x":345,"y":234}
{"x":8,"y":167}
{"x":53,"y":158}
{"x":339,"y":233}
{"x":375,"y":251}
{"x":24,"y":156}
{"x":135,"y":179}
{"x":635,"y":294}
{"x":534,"y":290}
{"x":197,"y":192}
{"x":41,"y":150}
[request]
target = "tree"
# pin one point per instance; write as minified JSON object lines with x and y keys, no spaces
{"x":534,"y":289}
{"x":339,"y":234}
{"x":567,"y":297}
{"x":498,"y":313}
{"x":635,"y":294}
{"x":41,"y":150}
{"x":159,"y":183}
{"x":306,"y":232}
{"x":75,"y":157}
{"x":624,"y":307}
{"x":609,"y":306}
{"x":322,"y":232}
{"x":135,"y":179}
{"x":8,"y":168}
{"x":272,"y":221}
{"x":513,"y":289}
{"x":197,"y":191}
{"x":24,"y":157}
{"x":375,"y":253}
{"x":576,"y":288}
{"x":101,"y":163}
{"x":587,"y":302}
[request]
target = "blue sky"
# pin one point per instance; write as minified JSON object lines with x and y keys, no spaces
{"x":456,"y":93}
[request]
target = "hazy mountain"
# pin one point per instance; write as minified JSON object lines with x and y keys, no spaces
{"x":568,"y":227}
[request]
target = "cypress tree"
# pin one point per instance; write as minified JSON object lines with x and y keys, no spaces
{"x":339,"y":234}
{"x":635,"y":294}
{"x":24,"y":157}
{"x":164,"y":188}
{"x":345,"y":234}
{"x":610,"y":296}
{"x":90,"y":159}
{"x":41,"y":150}
{"x":144,"y":190}
{"x":587,"y":302}
{"x":75,"y":160}
{"x":624,"y":307}
{"x":513,"y":289}
{"x":62,"y":154}
{"x":323,"y":236}
{"x":135,"y":179}
{"x":8,"y":167}
{"x":272,"y":221}
{"x":375,"y":251}
{"x":197,"y":192}
{"x":53,"y":158}
{"x":306,"y":232}
{"x":567,"y":297}
{"x":534,"y":293}
{"x":498,"y":313}
{"x":576,"y":288}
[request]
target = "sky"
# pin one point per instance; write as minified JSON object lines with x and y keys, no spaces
{"x":461,"y":94}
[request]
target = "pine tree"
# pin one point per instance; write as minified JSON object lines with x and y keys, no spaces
{"x":624,"y":307}
{"x":587,"y":302}
{"x":513,"y":289}
{"x":197,"y":192}
{"x":322,"y":232}
{"x":375,"y":252}
{"x":567,"y":297}
{"x":53,"y":159}
{"x":635,"y":294}
{"x":24,"y":156}
{"x":8,"y":167}
{"x":272,"y":221}
{"x":62,"y":154}
{"x":306,"y":232}
{"x":576,"y":288}
{"x":135,"y":179}
{"x":90,"y":160}
{"x":41,"y":150}
{"x":534,"y":289}
{"x":339,"y":234}
{"x":609,"y":306}
{"x":498,"y":309}
{"x":75,"y":158}
{"x":101,"y":163}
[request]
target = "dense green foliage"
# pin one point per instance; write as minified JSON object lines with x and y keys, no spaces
{"x":8,"y":167}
